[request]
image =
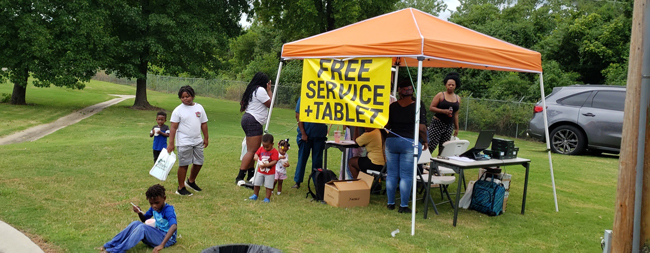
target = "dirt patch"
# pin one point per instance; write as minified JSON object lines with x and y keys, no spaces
{"x":46,"y":246}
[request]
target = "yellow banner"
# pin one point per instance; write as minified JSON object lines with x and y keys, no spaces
{"x":354,"y":92}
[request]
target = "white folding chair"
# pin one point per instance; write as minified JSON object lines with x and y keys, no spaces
{"x":453,"y":148}
{"x":436,"y":178}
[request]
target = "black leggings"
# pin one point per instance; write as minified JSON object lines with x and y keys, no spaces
{"x":156,"y":153}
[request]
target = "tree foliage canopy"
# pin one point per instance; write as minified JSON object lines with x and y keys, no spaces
{"x":64,"y":42}
{"x":177,"y":36}
{"x":58,"y":42}
{"x":581,"y":41}
{"x":296,"y":19}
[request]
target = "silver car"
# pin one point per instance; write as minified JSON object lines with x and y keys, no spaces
{"x":582,"y":117}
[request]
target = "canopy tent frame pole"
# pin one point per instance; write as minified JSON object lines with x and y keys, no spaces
{"x":275,"y":91}
{"x":416,"y":141}
{"x":548,"y":140}
{"x":395,"y":78}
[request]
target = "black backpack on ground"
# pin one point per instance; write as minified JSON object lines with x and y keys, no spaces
{"x":320,"y":177}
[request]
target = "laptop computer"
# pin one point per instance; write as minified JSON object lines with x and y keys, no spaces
{"x":482,"y":142}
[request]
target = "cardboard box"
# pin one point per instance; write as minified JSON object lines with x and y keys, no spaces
{"x":349,"y":193}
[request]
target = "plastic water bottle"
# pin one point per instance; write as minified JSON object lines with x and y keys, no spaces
{"x":451,"y":111}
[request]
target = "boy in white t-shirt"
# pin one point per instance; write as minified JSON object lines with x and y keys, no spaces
{"x":188,"y":121}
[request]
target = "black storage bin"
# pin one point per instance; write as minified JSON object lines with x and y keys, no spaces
{"x":241,"y":248}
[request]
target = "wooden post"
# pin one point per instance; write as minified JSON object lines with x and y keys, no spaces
{"x":624,"y":216}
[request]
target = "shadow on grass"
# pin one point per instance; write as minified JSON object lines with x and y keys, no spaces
{"x":142,"y":108}
{"x":585,"y":154}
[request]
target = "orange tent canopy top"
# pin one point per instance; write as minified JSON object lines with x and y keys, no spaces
{"x":409,"y":33}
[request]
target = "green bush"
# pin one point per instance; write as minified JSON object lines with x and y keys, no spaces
{"x":5,"y":98}
{"x":506,"y":118}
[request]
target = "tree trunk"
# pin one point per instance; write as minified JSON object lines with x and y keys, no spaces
{"x":20,"y":89}
{"x":141,"y":87}
{"x":141,"y":83}
{"x":141,"y":94}
{"x":329,"y":15}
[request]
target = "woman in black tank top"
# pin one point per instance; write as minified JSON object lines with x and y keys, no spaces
{"x":445,"y":105}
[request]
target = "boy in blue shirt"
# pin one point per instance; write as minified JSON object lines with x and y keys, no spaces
{"x":159,"y":132}
{"x":163,"y":235}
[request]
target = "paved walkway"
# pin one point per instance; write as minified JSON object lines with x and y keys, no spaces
{"x":40,"y":131}
{"x":12,"y":240}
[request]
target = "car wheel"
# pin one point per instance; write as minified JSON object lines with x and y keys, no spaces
{"x":568,"y":140}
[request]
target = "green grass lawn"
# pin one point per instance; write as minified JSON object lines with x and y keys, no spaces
{"x":73,"y":188}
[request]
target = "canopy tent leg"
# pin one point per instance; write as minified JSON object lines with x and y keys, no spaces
{"x":275,"y":91}
{"x":548,"y":140}
{"x":416,"y":140}
{"x":395,"y":78}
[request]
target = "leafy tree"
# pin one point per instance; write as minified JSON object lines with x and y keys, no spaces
{"x":296,"y":19}
{"x":615,"y":74}
{"x":242,"y":50}
{"x":554,"y":76}
{"x":56,"y":41}
{"x":258,"y":49}
{"x":580,"y":42}
{"x":433,"y":7}
{"x":176,"y":36}
{"x":275,"y":23}
{"x":589,"y":44}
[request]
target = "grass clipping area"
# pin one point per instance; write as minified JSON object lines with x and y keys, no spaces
{"x":73,"y":190}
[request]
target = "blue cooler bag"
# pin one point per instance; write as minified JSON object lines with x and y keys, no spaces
{"x":487,"y":196}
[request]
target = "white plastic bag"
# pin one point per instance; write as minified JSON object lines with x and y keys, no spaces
{"x":244,"y":149}
{"x":467,"y":198}
{"x":163,"y":165}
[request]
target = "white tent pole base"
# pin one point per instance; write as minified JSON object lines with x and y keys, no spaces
{"x":550,"y":164}
{"x":548,"y":140}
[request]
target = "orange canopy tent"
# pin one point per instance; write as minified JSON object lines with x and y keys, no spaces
{"x":410,"y":33}
{"x":412,"y":37}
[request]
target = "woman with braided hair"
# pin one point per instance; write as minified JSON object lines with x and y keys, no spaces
{"x":254,"y":103}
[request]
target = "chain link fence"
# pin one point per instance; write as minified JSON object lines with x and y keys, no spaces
{"x":507,"y":118}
